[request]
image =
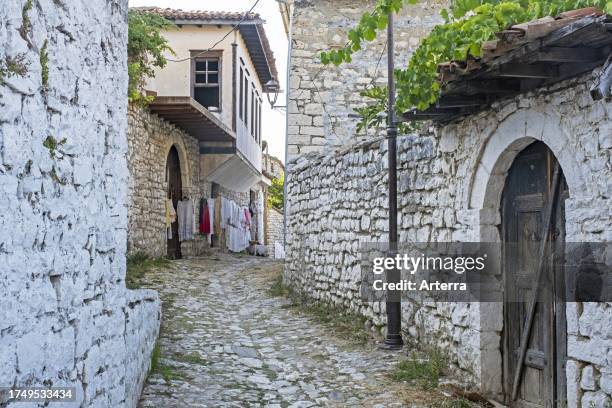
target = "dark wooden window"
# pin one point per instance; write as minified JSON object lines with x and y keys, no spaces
{"x":253,"y":111}
{"x":241,"y":92}
{"x":246,"y":101}
{"x":206,"y":79}
{"x":259,"y":122}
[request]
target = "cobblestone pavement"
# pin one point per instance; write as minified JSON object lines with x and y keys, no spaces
{"x":226,"y":343}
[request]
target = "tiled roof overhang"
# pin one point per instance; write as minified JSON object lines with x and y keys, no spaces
{"x":187,"y":114}
{"x":525,"y":57}
{"x":251,"y":28}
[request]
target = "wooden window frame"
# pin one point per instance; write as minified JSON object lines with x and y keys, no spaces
{"x":259,"y":121}
{"x":253,"y":110}
{"x":245,"y":119}
{"x":240,"y":103}
{"x":199,"y":55}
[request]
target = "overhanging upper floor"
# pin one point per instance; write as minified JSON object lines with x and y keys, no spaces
{"x":187,"y":114}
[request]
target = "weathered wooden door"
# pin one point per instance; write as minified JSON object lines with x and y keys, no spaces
{"x":527,"y":192}
{"x":175,"y":191}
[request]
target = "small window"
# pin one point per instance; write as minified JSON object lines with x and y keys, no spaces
{"x":259,"y":122}
{"x":240,"y":101}
{"x":246,"y":101}
{"x":253,"y":111}
{"x":206,"y":82}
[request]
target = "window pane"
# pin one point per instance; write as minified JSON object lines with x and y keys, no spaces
{"x":253,"y":113}
{"x":207,"y":97}
{"x":200,"y":65}
{"x":200,"y":79}
{"x":241,"y":101}
{"x":213,"y":78}
{"x":246,"y":102}
{"x":213,"y":65}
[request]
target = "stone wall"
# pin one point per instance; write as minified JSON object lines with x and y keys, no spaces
{"x":450,"y":181}
{"x":275,"y":229}
{"x":66,"y":318}
{"x":322,"y":98}
{"x":150,"y":139}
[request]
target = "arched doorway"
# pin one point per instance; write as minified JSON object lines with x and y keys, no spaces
{"x":532,"y":213}
{"x":175,"y":191}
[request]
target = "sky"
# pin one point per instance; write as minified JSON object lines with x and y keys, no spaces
{"x":273,"y":123}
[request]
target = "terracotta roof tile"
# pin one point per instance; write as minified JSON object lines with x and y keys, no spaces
{"x":254,"y":20}
{"x":178,"y":14}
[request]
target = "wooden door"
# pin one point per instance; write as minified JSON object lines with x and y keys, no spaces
{"x":175,"y":192}
{"x":526,"y":195}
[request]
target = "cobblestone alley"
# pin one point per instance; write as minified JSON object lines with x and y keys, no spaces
{"x":226,"y":343}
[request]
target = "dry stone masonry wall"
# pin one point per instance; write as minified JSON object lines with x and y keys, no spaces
{"x":321,"y":98}
{"x":66,"y":318}
{"x":275,"y":228}
{"x":150,"y":139}
{"x":337,"y":200}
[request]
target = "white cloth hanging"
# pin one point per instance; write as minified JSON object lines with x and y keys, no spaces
{"x":186,"y":220}
{"x":260,"y":217}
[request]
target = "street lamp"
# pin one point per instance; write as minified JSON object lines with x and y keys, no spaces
{"x":393,"y":341}
{"x":272,"y":88}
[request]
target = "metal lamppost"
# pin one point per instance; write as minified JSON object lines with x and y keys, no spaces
{"x":394,"y":310}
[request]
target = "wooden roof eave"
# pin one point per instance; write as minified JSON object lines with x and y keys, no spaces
{"x":580,"y":46}
{"x":188,"y":115}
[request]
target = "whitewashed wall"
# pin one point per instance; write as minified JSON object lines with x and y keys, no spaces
{"x":66,"y":318}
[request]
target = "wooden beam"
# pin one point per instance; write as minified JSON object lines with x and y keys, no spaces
{"x":484,"y":86}
{"x":517,"y":70}
{"x":562,"y":54}
{"x":570,"y":29}
{"x":459,"y":101}
{"x":601,"y":88}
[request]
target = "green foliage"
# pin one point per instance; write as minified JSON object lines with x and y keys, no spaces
{"x":453,"y":403}
{"x":52,"y":144}
{"x":343,"y":323}
{"x":372,"y":115}
{"x":425,"y":372}
{"x":469,"y":23}
{"x":366,"y":30}
{"x":44,"y":64}
{"x":26,"y":23}
{"x":138,"y":264}
{"x":276,"y":193}
{"x":146,"y":48}
{"x":12,"y":66}
{"x":157,"y":366}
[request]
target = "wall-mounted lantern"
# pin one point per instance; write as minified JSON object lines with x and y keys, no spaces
{"x":272,"y":89}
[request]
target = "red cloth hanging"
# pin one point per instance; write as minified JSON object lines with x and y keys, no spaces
{"x":205,"y":222}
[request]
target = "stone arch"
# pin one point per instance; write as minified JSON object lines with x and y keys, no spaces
{"x":515,"y":133}
{"x":487,"y":183}
{"x":173,"y":140}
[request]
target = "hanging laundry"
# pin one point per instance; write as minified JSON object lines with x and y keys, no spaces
{"x":217,"y":216}
{"x":205,"y":225}
{"x":260,"y":217}
{"x":247,"y":215}
{"x":186,"y":220}
{"x":170,"y":217}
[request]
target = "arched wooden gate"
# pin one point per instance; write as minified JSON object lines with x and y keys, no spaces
{"x":533,"y":224}
{"x":175,"y":191}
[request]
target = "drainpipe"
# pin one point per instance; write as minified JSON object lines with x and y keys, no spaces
{"x":393,"y":340}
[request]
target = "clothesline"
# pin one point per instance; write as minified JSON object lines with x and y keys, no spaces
{"x":216,"y":215}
